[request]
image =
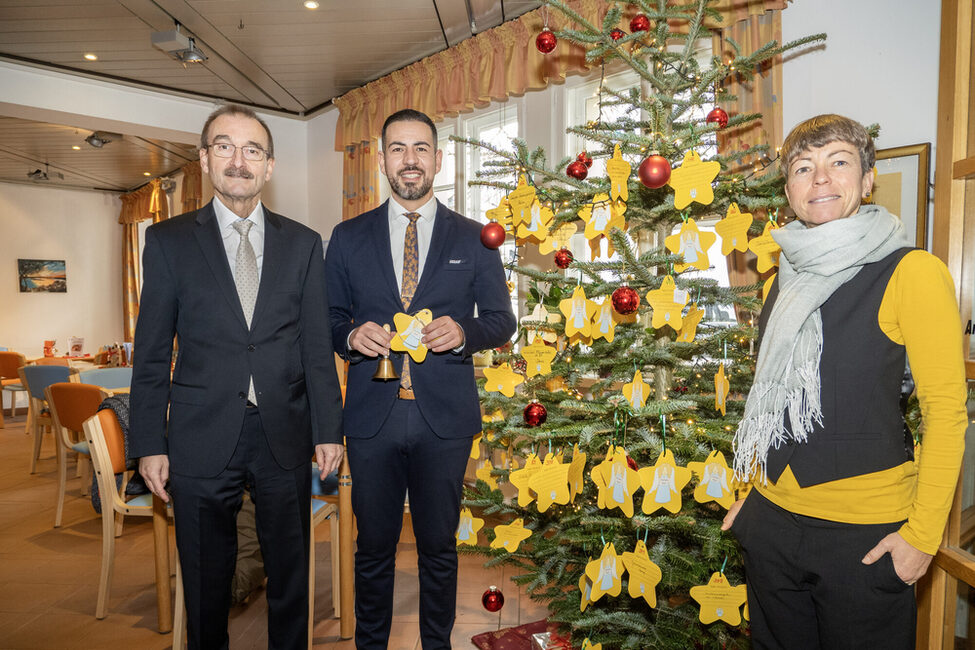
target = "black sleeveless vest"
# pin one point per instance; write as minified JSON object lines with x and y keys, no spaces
{"x":861,"y":371}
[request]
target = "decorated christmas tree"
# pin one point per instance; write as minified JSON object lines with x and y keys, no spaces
{"x":602,"y":470}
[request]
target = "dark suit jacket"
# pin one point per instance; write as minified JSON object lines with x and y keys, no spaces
{"x":458,"y":273}
{"x":188,"y":292}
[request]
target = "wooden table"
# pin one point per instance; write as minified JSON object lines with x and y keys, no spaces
{"x":160,"y":542}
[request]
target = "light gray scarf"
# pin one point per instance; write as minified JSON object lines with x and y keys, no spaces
{"x":813,"y":264}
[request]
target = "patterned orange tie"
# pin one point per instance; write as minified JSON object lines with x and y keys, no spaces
{"x":411,"y":263}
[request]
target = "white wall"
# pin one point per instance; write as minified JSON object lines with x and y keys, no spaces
{"x":80,"y":228}
{"x":879,"y":64}
{"x":324,"y":173}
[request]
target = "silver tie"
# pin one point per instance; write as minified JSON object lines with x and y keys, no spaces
{"x":245,"y":276}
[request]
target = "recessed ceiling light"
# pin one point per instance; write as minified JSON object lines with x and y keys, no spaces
{"x":310,"y":4}
{"x":146,"y":174}
{"x":91,"y":56}
{"x":76,"y":148}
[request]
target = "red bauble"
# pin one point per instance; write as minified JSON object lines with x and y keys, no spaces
{"x":632,"y":464}
{"x":640,"y":23}
{"x":546,"y":41}
{"x":563,"y":257}
{"x":617,"y":34}
{"x":578,"y":170}
{"x":535,"y":414}
{"x":492,"y":599}
{"x":625,"y":300}
{"x":519,"y":365}
{"x":717,"y":116}
{"x":492,"y":235}
{"x":585,"y":159}
{"x":654,"y":171}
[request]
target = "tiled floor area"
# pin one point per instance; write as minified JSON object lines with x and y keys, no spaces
{"x":48,"y":576}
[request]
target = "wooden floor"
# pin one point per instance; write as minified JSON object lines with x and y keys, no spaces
{"x":48,"y":576}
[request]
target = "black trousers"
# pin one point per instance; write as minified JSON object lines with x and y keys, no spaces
{"x":808,"y":589}
{"x":406,"y":456}
{"x":206,"y":510}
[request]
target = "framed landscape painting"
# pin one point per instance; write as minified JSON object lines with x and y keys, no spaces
{"x":42,"y":276}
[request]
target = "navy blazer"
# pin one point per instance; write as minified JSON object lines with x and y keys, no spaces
{"x":459,"y":273}
{"x":189,"y":292}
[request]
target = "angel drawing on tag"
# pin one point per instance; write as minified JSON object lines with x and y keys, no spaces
{"x":663,"y":484}
{"x":715,"y":481}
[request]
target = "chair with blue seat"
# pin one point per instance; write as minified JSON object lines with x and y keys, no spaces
{"x":37,"y":379}
{"x":10,"y":379}
{"x":112,"y":379}
{"x":71,"y":404}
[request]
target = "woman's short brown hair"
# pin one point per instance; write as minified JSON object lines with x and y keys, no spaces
{"x":821,"y":130}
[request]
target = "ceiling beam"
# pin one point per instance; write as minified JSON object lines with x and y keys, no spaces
{"x":454,"y":19}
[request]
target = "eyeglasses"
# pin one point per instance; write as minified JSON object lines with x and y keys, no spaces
{"x":248,"y":151}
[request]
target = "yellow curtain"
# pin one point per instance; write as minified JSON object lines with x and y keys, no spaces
{"x":760,"y":94}
{"x":360,"y":187}
{"x":192,"y":187}
{"x":147,"y":202}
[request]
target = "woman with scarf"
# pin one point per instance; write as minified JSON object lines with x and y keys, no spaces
{"x":842,"y":518}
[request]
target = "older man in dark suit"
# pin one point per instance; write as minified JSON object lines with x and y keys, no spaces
{"x":411,"y":436}
{"x":242,"y":290}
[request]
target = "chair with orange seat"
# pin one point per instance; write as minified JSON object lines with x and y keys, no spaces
{"x":104,"y":437}
{"x":71,"y":404}
{"x":10,"y":380}
{"x":37,"y":379}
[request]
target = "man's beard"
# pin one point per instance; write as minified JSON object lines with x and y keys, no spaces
{"x":410,"y":192}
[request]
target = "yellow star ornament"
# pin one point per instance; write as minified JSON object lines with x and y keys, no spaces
{"x":502,"y":380}
{"x":585,"y":587}
{"x":734,"y":230}
{"x":558,"y":238}
{"x":539,"y":357}
{"x":662,"y":483}
{"x":468,"y":527}
{"x":476,"y":447}
{"x":618,"y":171}
{"x":616,"y":481}
{"x":484,"y":473}
{"x":409,"y":331}
{"x":715,"y":479}
{"x":688,"y":329}
{"x":637,"y":391}
{"x":576,"y":472}
{"x":721,"y":389}
{"x":537,"y":226}
{"x":589,"y":645}
{"x":693,"y":245}
{"x":520,"y":478}
{"x":719,"y":600}
{"x":692,"y":180}
{"x":601,"y":216}
{"x":550,"y":484}
{"x":765,"y":248}
{"x":644,"y":574}
{"x":667,"y":303}
{"x":510,"y":536}
{"x":604,"y":323}
{"x":520,"y":200}
{"x":606,"y":574}
{"x":578,"y":313}
{"x":502,"y":214}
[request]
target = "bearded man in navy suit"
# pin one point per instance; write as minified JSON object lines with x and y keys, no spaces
{"x":254,"y":392}
{"x":411,"y":436}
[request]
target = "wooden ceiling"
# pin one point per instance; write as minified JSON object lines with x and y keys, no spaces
{"x":270,"y":54}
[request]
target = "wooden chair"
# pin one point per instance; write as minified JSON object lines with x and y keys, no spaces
{"x":107,"y":446}
{"x":10,"y":380}
{"x":111,"y":379}
{"x":37,"y":379}
{"x":71,"y":404}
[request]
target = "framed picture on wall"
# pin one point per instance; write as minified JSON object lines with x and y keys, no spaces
{"x":901,"y":186}
{"x":42,"y":276}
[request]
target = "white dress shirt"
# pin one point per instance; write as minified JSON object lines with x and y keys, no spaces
{"x":397,"y":235}
{"x":231,"y":238}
